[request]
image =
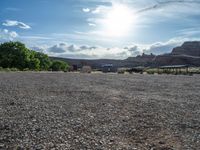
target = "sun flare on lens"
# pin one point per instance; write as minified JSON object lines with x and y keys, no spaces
{"x":118,"y":21}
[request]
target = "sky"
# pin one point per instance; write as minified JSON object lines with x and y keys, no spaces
{"x":94,"y":29}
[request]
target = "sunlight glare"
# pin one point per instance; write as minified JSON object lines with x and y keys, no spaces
{"x":118,"y":21}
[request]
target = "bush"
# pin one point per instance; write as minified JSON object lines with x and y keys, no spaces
{"x":26,"y":69}
{"x":59,"y":66}
{"x":121,"y":71}
{"x":7,"y":69}
{"x":44,"y":60}
{"x":150,"y":71}
{"x":14,"y":69}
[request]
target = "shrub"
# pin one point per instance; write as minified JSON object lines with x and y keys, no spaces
{"x":150,"y":71}
{"x":26,"y":69}
{"x":121,"y":71}
{"x":14,"y":69}
{"x":59,"y":66}
{"x":7,"y":69}
{"x":44,"y":60}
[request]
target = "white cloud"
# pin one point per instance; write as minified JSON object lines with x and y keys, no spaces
{"x":63,"y":47}
{"x":166,"y":47}
{"x":86,"y":10}
{"x":5,"y":31}
{"x":6,"y":35}
{"x":12,"y":23}
{"x":37,"y":49}
{"x":100,"y":9}
{"x":161,"y":47}
{"x":12,"y":9}
{"x":189,"y":32}
{"x":92,"y":24}
{"x":36,"y":37}
{"x":84,"y":51}
{"x":13,"y":34}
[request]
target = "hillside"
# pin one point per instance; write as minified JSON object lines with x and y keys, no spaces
{"x":188,"y":48}
{"x":188,"y":53}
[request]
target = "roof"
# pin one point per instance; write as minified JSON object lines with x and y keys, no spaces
{"x":107,"y":65}
{"x":174,"y":66}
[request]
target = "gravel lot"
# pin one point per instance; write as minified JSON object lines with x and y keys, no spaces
{"x":99,"y":111}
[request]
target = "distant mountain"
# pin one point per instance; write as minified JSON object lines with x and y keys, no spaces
{"x":186,"y":54}
{"x":169,"y":59}
{"x":188,"y":48}
{"x":142,"y":60}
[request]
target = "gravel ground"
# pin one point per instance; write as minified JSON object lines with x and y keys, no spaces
{"x":99,"y":111}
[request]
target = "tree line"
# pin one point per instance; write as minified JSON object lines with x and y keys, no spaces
{"x":17,"y":55}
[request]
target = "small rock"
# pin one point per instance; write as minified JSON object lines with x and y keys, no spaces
{"x":12,"y":103}
{"x":2,"y":146}
{"x":161,"y":142}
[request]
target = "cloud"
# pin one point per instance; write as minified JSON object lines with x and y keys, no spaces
{"x":134,"y":50}
{"x":164,"y":47}
{"x":92,"y":24}
{"x":36,"y":37}
{"x":87,"y":47}
{"x":74,"y":51}
{"x":13,"y":34}
{"x":56,"y":49}
{"x":157,"y":48}
{"x":37,"y":49}
{"x":86,"y":10}
{"x":63,"y":47}
{"x":13,"y":23}
{"x":83,"y":47}
{"x":72,"y":48}
{"x":189,"y":32}
{"x":12,"y":9}
{"x":6,"y":35}
{"x":160,"y":4}
{"x":100,"y":9}
{"x":76,"y":56}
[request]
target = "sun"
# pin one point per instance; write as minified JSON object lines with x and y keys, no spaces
{"x":118,"y":21}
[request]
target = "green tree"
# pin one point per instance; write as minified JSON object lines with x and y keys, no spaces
{"x":45,"y":62}
{"x":34,"y":63}
{"x":58,"y":65}
{"x":14,"y":55}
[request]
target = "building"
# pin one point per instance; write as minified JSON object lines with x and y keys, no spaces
{"x":106,"y":68}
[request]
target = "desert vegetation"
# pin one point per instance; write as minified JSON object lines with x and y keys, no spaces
{"x":191,"y":71}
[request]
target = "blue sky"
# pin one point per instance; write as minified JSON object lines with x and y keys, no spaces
{"x":100,"y":28}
